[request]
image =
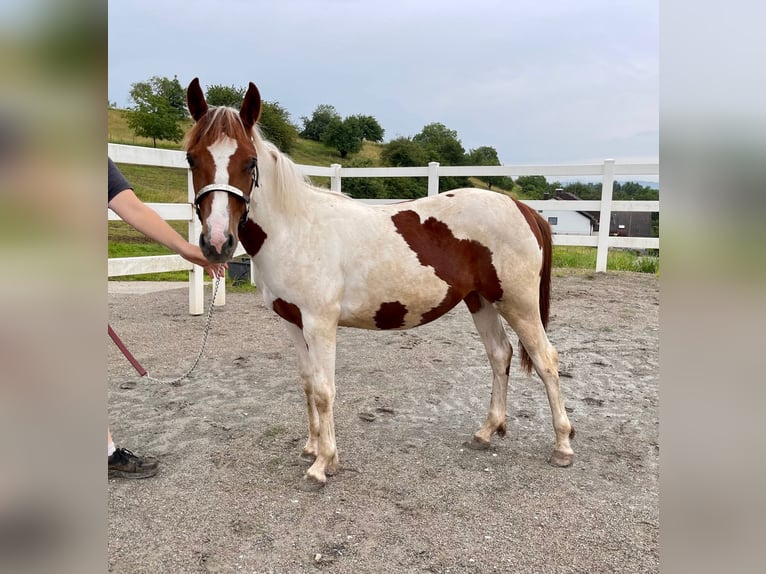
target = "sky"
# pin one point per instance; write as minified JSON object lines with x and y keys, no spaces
{"x":559,"y":81}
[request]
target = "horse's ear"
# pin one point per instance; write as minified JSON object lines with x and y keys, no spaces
{"x":251,"y":107}
{"x":195,"y":99}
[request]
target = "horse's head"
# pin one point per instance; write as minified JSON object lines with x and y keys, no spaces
{"x":224,"y":166}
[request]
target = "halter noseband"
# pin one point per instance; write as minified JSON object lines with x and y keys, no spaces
{"x":231,"y":190}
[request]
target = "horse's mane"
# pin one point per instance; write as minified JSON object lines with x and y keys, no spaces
{"x":288,"y":180}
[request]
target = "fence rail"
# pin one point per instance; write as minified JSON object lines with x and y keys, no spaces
{"x":607,"y":170}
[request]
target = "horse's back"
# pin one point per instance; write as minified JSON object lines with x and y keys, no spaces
{"x":493,"y":219}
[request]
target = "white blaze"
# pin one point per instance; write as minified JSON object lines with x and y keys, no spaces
{"x":218,"y":220}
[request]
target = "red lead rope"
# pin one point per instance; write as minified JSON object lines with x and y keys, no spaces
{"x":121,"y":346}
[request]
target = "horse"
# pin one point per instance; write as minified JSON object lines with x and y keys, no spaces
{"x":322,"y":259}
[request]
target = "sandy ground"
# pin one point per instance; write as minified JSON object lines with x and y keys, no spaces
{"x":410,"y":497}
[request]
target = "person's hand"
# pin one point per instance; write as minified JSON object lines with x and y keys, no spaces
{"x":194,"y":254}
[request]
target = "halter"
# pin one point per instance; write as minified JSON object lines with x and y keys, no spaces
{"x":231,"y":190}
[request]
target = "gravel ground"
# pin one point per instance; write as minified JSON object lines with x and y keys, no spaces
{"x":410,"y":497}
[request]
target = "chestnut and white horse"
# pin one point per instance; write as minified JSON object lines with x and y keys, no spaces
{"x":322,"y":259}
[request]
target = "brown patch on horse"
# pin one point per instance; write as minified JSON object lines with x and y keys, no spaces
{"x":473,"y":302}
{"x":542,"y":232}
{"x":390,"y":315}
{"x":531,"y":216}
{"x":289,"y":312}
{"x":252,"y":236}
{"x":463,"y":264}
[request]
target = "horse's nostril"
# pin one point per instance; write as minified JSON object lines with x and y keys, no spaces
{"x":230,"y":241}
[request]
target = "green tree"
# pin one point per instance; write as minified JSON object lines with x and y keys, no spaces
{"x":533,"y":186}
{"x":315,"y":126}
{"x":441,"y":144}
{"x":175,"y":95}
{"x":370,"y":128}
{"x":276,"y":126}
{"x":343,"y":135}
{"x":157,"y":110}
{"x":364,"y":187}
{"x":231,"y":96}
{"x":487,"y":155}
{"x":403,"y":152}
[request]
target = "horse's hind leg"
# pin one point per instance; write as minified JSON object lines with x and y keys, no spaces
{"x":545,"y":360}
{"x":499,"y":351}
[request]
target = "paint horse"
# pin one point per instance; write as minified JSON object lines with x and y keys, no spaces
{"x":322,"y":259}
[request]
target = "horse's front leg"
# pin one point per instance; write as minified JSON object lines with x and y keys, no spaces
{"x":319,"y":340}
{"x":310,"y":449}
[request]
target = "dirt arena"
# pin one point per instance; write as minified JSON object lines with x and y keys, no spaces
{"x":410,"y":497}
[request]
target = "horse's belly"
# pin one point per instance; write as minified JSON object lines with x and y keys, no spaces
{"x":395,"y":300}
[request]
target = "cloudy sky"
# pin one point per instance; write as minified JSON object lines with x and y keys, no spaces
{"x":557,"y":81}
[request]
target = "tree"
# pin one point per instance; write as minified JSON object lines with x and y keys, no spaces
{"x":158,"y":109}
{"x":533,"y":186}
{"x":364,"y":187}
{"x":403,"y":152}
{"x":276,"y":126}
{"x":315,"y":126}
{"x":343,"y":135}
{"x":370,"y":128}
{"x":174,"y":93}
{"x":441,"y":144}
{"x":231,"y":96}
{"x":487,"y":155}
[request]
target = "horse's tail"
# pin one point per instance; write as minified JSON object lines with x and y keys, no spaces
{"x":542,"y":232}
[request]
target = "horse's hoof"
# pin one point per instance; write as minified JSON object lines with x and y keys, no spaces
{"x":311,"y":484}
{"x":307,"y":458}
{"x":477,"y":444}
{"x":561,"y":459}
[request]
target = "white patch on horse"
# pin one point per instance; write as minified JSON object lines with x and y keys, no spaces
{"x":218,"y":220}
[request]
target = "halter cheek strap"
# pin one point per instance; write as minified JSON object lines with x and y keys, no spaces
{"x":230,"y":189}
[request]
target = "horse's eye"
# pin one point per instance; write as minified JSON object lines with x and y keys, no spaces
{"x":190,"y":159}
{"x":252,"y":164}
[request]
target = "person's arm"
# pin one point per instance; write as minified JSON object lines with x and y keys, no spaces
{"x":139,"y":215}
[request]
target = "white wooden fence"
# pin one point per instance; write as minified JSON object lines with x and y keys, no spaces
{"x":607,"y":170}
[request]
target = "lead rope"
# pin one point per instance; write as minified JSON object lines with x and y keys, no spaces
{"x":177,"y":380}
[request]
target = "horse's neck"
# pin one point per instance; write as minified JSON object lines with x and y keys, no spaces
{"x":283,"y":191}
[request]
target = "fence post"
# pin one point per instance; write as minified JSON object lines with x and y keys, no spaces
{"x":335,"y":177}
{"x":605,"y":220}
{"x":196,"y":275}
{"x":433,"y":178}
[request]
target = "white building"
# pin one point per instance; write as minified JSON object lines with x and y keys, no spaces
{"x":570,"y":222}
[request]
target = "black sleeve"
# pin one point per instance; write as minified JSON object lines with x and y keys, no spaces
{"x":117,"y":181}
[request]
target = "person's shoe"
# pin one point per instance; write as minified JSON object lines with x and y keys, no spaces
{"x":125,"y":464}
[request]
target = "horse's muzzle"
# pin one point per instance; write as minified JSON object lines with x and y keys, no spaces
{"x":212,"y":253}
